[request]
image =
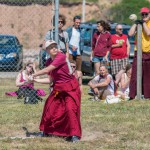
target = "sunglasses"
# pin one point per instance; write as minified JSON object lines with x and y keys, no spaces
{"x":30,"y":66}
{"x":77,"y":22}
{"x":61,"y":22}
{"x":120,"y":29}
{"x":144,"y":14}
{"x":73,"y":66}
{"x":51,"y":47}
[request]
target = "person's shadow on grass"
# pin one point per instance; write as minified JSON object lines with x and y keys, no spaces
{"x":31,"y":134}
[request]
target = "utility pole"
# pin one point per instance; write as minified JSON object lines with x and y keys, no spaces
{"x":83,"y":10}
{"x":139,"y":61}
{"x":56,"y":19}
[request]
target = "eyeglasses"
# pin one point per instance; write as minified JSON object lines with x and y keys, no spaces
{"x":51,"y":47}
{"x":77,"y":22}
{"x":30,"y":66}
{"x":73,"y":66}
{"x":144,"y":14}
{"x":61,"y":22}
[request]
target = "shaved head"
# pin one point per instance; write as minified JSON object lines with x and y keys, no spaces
{"x":103,"y":67}
{"x":119,"y":29}
{"x":103,"y":70}
{"x":118,"y":26}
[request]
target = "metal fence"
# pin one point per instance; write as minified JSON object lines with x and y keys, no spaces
{"x":23,"y":25}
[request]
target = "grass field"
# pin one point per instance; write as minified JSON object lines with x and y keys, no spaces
{"x":119,"y":126}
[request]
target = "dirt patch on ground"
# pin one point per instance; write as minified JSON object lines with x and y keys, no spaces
{"x":87,"y":136}
{"x":90,"y":136}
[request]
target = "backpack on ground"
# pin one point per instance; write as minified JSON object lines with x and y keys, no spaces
{"x":30,"y":95}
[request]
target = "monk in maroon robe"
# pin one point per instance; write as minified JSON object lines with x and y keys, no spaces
{"x":61,"y":114}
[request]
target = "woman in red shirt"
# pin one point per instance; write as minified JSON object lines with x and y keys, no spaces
{"x":101,"y":44}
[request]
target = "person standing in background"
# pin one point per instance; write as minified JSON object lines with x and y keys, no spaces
{"x":145,"y":22}
{"x":63,"y":35}
{"x":101,"y":45}
{"x":119,"y":53}
{"x":75,"y":42}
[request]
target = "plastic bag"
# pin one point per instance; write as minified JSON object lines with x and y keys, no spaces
{"x":110,"y":99}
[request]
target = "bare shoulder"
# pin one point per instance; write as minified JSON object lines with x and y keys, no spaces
{"x":109,"y":76}
{"x":19,"y":74}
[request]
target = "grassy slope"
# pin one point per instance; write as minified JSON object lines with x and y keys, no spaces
{"x":117,"y":126}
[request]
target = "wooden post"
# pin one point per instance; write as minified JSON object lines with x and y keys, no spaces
{"x":139,"y":61}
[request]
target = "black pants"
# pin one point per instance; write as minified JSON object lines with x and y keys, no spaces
{"x":29,"y":95}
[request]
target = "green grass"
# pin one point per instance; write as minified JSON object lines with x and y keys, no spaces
{"x":120,"y":12}
{"x":119,"y":126}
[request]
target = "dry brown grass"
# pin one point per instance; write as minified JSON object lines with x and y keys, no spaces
{"x":117,"y":126}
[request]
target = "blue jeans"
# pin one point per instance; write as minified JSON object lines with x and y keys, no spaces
{"x":97,"y":59}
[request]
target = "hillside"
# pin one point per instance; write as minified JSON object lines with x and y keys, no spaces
{"x":30,"y":23}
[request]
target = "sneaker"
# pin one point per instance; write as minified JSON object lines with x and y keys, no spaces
{"x":68,"y":139}
{"x":40,"y":134}
{"x":47,"y":135}
{"x":92,"y":99}
{"x":96,"y":98}
{"x":75,"y":139}
{"x":39,"y":98}
{"x":90,"y":92}
{"x":130,"y":99}
{"x":26,"y":100}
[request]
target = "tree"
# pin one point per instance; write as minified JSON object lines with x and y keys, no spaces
{"x":120,"y":12}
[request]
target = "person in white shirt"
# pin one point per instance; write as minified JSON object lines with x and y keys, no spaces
{"x":102,"y":85}
{"x":75,"y":44}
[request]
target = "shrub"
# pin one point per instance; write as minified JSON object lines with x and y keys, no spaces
{"x":120,"y":12}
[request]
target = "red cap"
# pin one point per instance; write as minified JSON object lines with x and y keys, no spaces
{"x":144,"y":10}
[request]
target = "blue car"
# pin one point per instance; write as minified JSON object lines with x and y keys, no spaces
{"x":11,"y":53}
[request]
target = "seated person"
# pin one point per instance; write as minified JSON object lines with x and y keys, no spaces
{"x":26,"y":87}
{"x":77,"y":74}
{"x":124,"y":82}
{"x":102,"y":85}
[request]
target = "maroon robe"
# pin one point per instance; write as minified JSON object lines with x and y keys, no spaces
{"x":61,"y":114}
{"x":145,"y":76}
